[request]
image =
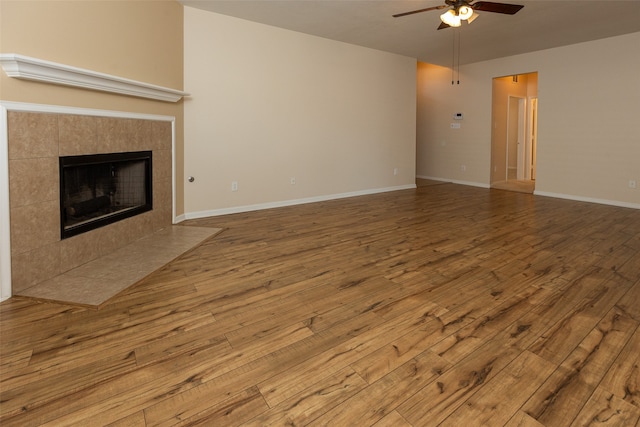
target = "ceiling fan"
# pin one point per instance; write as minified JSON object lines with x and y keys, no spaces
{"x":464,"y":10}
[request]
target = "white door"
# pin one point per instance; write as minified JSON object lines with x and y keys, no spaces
{"x":532,"y":139}
{"x":515,"y":138}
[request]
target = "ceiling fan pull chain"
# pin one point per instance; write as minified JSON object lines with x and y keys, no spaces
{"x":453,"y":59}
{"x":459,"y":36}
{"x":455,"y":68}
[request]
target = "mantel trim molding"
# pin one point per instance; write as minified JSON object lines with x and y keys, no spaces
{"x":28,"y":68}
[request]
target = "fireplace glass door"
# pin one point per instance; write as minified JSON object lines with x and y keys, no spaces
{"x":100,"y":189}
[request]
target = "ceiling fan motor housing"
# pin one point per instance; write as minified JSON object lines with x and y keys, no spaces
{"x":457,"y":4}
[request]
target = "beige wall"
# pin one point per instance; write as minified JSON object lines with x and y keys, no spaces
{"x":442,"y":151}
{"x":270,"y":104}
{"x":588,"y":138}
{"x":139,"y":40}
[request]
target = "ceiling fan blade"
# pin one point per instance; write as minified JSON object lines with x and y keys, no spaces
{"x":419,"y":10}
{"x":488,"y":6}
{"x":443,"y":26}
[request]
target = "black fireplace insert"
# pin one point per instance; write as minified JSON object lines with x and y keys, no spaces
{"x":100,"y":189}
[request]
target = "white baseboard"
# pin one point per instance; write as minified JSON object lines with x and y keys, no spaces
{"x":588,"y":199}
{"x":279,"y":204}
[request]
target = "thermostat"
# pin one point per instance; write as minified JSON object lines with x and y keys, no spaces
{"x":457,"y":116}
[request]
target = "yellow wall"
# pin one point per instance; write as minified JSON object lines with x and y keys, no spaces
{"x":138,"y":40}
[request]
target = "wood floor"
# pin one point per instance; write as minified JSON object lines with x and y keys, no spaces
{"x":444,"y":305}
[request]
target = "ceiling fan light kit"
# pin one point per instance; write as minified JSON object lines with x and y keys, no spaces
{"x":450,"y":18}
{"x":454,"y":18}
{"x":465,"y":10}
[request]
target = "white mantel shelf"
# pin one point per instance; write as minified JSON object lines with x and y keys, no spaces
{"x":25,"y":67}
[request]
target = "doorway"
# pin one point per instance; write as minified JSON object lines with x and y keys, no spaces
{"x":514,"y":132}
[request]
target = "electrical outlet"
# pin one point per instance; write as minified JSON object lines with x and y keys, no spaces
{"x":632,"y":183}
{"x":463,"y":168}
{"x":395,"y":171}
{"x":234,"y":185}
{"x":293,"y":180}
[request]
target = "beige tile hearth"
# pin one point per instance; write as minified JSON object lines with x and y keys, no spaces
{"x":95,"y":282}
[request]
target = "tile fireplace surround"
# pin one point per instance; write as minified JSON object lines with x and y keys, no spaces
{"x":35,"y":141}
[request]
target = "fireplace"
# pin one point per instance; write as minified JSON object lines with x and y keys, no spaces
{"x":100,"y":189}
{"x":36,"y":141}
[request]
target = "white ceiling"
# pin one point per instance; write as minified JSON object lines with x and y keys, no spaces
{"x":542,"y":24}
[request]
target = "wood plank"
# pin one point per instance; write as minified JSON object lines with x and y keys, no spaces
{"x":122,"y":395}
{"x":17,"y":360}
{"x":457,"y":384}
{"x":605,"y":409}
{"x":521,"y":419}
{"x":248,"y":337}
{"x":562,"y":395}
{"x":630,"y":303}
{"x":501,"y":398}
{"x":232,"y":378}
{"x":623,"y":378}
{"x":290,"y":382}
{"x":382,"y":397}
{"x":312,"y":402}
{"x":459,"y":345}
{"x":178,"y":342}
{"x":556,"y":343}
{"x":236,"y":409}
{"x":134,"y":420}
{"x":60,"y":381}
{"x":84,"y":349}
{"x":412,"y":343}
{"x":392,"y":419}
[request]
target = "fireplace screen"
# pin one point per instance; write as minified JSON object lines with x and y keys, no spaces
{"x":100,"y":189}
